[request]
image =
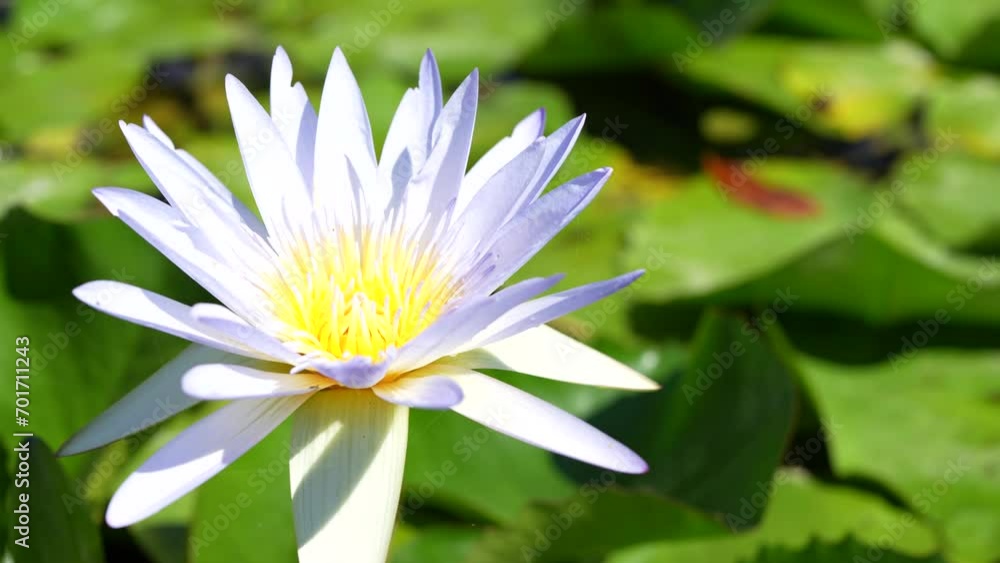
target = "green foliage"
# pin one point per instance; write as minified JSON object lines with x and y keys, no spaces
{"x":859,"y":419}
{"x":39,"y":495}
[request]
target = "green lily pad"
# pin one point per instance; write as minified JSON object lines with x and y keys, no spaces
{"x":934,"y":439}
{"x":586,"y":38}
{"x":905,"y":275}
{"x":376,"y":33}
{"x":61,"y":191}
{"x":39,"y":496}
{"x":249,"y":500}
{"x":195,"y":27}
{"x":963,"y":110}
{"x":845,"y":90}
{"x":713,"y":242}
{"x":848,"y":19}
{"x":67,"y":92}
{"x":954,"y":198}
{"x":800,"y":511}
{"x":432,"y":543}
{"x":948,"y":30}
{"x":716,"y":432}
{"x":847,"y":550}
{"x":598,"y":519}
{"x":70,"y":339}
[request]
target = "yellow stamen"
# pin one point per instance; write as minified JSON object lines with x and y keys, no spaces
{"x":358,"y":295}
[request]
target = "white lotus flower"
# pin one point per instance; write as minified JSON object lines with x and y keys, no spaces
{"x":367,"y":287}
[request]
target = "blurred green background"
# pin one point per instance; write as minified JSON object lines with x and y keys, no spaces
{"x":811,"y":185}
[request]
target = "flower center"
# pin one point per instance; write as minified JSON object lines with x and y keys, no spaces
{"x":358,"y":296}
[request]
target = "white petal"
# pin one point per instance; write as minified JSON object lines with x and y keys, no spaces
{"x":195,"y":455}
{"x":293,"y":114}
{"x":488,"y":211}
{"x":210,"y":181}
{"x":436,"y":186}
{"x":343,"y":133}
{"x":153,"y":401}
{"x":226,"y":381}
{"x":526,"y":132}
{"x":348,"y":449}
{"x":532,"y":228}
{"x":230,"y":326}
{"x":557,"y":147}
{"x":154,"y":311}
{"x":155,"y":130}
{"x":274,"y":176}
{"x":200,"y":202}
{"x":165,"y":229}
{"x":513,"y":412}
{"x":424,"y":391}
{"x":456,"y":327}
{"x":408,"y":142}
{"x":545,"y":352}
{"x":548,"y":308}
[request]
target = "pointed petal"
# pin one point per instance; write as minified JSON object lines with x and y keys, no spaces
{"x":548,"y":308}
{"x":180,"y":185}
{"x":215,"y":382}
{"x":153,"y":401}
{"x":155,"y":130}
{"x":409,"y":140}
{"x":488,"y":211}
{"x":348,"y":449}
{"x":211,"y":182}
{"x":533,"y":227}
{"x":196,"y":455}
{"x":155,"y":311}
{"x":436,"y":185}
{"x":166,"y":230}
{"x":513,"y":412}
{"x":430,"y":91}
{"x":557,"y":147}
{"x":231,"y":327}
{"x":454,"y":328}
{"x":343,"y":133}
{"x":545,"y":352}
{"x":526,"y":132}
{"x":421,"y":391}
{"x":293,"y":114}
{"x":271,"y":168}
{"x":206,"y":205}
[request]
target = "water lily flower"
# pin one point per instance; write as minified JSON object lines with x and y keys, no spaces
{"x":366,"y":287}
